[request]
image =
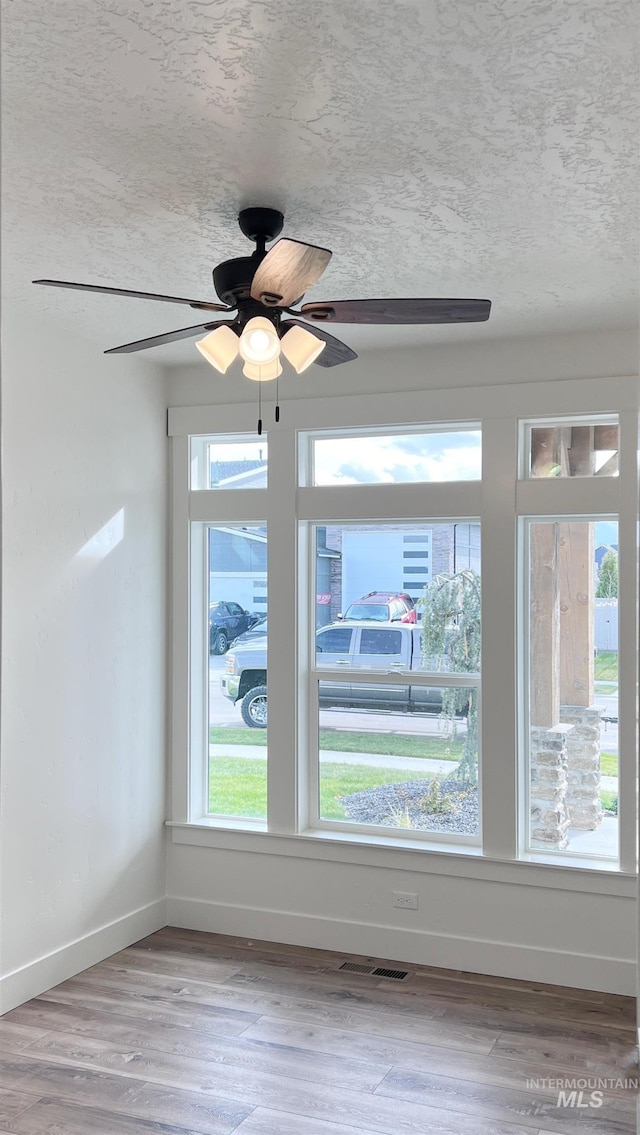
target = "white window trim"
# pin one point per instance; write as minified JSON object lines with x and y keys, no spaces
{"x":500,"y":409}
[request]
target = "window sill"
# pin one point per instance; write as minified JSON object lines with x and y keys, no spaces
{"x":596,"y":877}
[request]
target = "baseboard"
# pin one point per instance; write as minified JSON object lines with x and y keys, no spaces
{"x":500,"y":959}
{"x":36,"y":977}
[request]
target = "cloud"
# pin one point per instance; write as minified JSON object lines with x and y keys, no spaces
{"x":451,"y":456}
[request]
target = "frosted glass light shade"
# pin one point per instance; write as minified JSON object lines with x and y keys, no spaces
{"x":259,"y":342}
{"x":301,"y":348}
{"x":262,"y":372}
{"x":219,"y":348}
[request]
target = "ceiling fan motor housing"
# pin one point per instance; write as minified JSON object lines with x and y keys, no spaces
{"x":232,"y":279}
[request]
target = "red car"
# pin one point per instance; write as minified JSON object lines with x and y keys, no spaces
{"x":383,"y":607}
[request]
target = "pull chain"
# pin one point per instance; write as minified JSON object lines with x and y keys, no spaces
{"x":259,"y":408}
{"x":277,"y":400}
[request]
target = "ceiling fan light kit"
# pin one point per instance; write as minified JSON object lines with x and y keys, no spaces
{"x":260,"y":287}
{"x":301,"y":348}
{"x":220,"y":348}
{"x":259,"y":341}
{"x":263,"y":372}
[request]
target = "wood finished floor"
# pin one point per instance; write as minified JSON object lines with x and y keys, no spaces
{"x":187,"y":1033}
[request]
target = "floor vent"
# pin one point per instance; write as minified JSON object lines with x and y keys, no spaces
{"x":379,"y":971}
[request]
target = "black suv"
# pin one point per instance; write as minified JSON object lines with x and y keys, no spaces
{"x":227,"y":621}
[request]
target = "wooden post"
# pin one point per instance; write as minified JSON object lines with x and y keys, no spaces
{"x":581,"y":452}
{"x":544,"y":636}
{"x":575,"y":561}
{"x":544,"y":447}
{"x":564,"y":450}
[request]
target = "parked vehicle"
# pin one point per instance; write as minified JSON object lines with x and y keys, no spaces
{"x":383,"y":607}
{"x":226,"y":621}
{"x":392,"y":647}
{"x":257,"y":631}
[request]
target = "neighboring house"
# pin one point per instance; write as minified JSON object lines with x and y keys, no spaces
{"x":601,"y":552}
{"x":238,"y":566}
{"x":400,"y":559}
{"x":251,"y":474}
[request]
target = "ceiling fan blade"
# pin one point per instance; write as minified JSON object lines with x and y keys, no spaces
{"x":288,"y":271}
{"x":335,"y":352}
{"x":168,"y":337}
{"x":203,"y":304}
{"x":398,"y":311}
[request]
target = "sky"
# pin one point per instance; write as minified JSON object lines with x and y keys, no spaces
{"x":395,"y":459}
{"x":606,"y":532}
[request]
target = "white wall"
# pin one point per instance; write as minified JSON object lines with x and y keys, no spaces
{"x":481,"y":363}
{"x":83,"y":655}
{"x":541,"y":923}
{"x":520,"y":921}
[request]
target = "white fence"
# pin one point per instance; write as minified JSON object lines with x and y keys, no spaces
{"x":606,"y":624}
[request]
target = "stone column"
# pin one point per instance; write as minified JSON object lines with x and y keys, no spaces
{"x":583,"y":766}
{"x":549,"y":782}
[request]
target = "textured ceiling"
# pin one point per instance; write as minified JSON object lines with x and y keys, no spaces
{"x":439,"y":147}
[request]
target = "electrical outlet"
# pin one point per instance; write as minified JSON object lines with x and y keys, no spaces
{"x":406,"y":900}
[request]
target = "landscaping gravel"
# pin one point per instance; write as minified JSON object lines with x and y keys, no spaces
{"x":403,"y":805}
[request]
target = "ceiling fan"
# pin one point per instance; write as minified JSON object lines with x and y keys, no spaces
{"x":259,"y":289}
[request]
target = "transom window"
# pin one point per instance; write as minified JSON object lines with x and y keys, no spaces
{"x":437,"y":454}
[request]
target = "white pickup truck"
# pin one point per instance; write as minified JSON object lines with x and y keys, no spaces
{"x":352,"y":645}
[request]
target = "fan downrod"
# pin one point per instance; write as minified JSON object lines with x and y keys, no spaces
{"x":261,"y":225}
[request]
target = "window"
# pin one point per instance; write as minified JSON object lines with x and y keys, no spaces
{"x":381,"y":642}
{"x":572,"y":690}
{"x":573,"y":448}
{"x":447,"y":663}
{"x":237,"y":664}
{"x":401,"y":754}
{"x":397,"y":458}
{"x":228,"y":463}
{"x":334,"y":640}
{"x":388,"y":757}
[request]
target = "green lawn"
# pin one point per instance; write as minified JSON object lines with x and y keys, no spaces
{"x":238,"y":786}
{"x":348,"y":741}
{"x":606,"y":666}
{"x":608,"y":764}
{"x":341,"y":780}
{"x":218,"y":735}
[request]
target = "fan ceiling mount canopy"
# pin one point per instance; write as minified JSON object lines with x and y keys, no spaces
{"x":258,"y":290}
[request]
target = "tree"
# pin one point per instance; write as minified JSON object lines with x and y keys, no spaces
{"x":451,"y":642}
{"x":607,"y":586}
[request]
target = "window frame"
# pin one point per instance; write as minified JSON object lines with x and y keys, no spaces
{"x":580,"y":419}
{"x":501,"y":410}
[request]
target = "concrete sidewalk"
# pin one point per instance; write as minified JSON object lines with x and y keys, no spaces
{"x":372,"y":760}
